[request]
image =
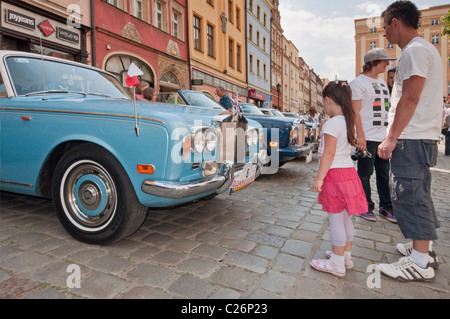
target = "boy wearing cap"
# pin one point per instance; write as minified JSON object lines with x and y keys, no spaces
{"x":371,"y":102}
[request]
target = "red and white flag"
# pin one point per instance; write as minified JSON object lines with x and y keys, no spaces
{"x":132,"y":75}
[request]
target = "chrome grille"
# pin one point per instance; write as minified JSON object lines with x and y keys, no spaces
{"x":234,"y":142}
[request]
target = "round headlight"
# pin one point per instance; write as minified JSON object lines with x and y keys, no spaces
{"x":199,"y":141}
{"x":211,"y":140}
{"x":252,"y":137}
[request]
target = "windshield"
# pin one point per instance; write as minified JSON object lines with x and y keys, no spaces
{"x":291,"y":115}
{"x":250,"y":109}
{"x":61,"y":77}
{"x":170,"y":97}
{"x":200,"y":99}
{"x":277,"y":113}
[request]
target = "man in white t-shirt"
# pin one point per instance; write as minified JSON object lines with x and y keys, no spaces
{"x":371,"y":103}
{"x":414,"y":129}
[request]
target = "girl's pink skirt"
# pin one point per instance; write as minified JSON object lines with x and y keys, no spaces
{"x":342,"y":189}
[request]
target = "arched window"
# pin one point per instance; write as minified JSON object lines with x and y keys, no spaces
{"x":169,"y":82}
{"x":119,"y":65}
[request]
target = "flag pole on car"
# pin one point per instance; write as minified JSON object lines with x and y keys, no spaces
{"x":132,"y":80}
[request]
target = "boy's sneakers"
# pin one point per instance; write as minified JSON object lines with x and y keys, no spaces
{"x":407,"y":270}
{"x":327,"y":265}
{"x":370,"y":216}
{"x":405,"y":250}
{"x":348,"y":262}
{"x":386,"y":213}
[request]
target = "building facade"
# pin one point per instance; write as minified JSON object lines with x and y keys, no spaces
{"x":258,"y":52}
{"x":277,"y":57}
{"x":291,"y":77}
{"x":369,"y":34}
{"x":149,"y":33}
{"x":218,"y":46}
{"x":55,"y":28}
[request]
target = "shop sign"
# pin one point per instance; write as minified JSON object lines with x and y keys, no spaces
{"x":256,"y":95}
{"x":67,"y":35}
{"x":46,"y":28}
{"x":20,"y":19}
{"x":196,"y":82}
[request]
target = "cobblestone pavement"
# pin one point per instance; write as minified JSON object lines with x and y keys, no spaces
{"x":255,"y":244}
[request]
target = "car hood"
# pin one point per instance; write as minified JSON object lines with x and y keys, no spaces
{"x":178,"y":115}
{"x":73,"y":103}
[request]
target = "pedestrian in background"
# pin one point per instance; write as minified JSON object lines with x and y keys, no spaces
{"x":446,"y":125}
{"x":415,"y":121}
{"x":314,"y":116}
{"x":140,"y":89}
{"x":371,"y":103}
{"x":149,"y":94}
{"x":390,"y":79}
{"x":225,"y":100}
{"x":340,"y":190}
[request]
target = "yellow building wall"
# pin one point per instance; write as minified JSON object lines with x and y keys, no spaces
{"x":218,"y":65}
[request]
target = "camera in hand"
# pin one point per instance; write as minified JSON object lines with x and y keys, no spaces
{"x":360,"y":154}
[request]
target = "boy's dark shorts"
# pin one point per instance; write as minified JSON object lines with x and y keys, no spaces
{"x":410,"y":185}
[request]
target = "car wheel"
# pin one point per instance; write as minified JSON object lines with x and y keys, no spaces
{"x":94,"y":198}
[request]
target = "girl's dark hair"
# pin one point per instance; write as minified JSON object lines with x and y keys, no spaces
{"x":341,"y":93}
{"x":405,"y":11}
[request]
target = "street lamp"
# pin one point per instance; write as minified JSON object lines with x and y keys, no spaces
{"x":278,"y":90}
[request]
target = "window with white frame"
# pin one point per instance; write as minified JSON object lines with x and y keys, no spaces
{"x":197,"y":33}
{"x":435,"y":39}
{"x":137,"y":9}
{"x":373,"y":45}
{"x":210,"y":39}
{"x":159,"y":15}
{"x":238,"y":57}
{"x":435,"y":22}
{"x":176,"y":25}
{"x":238,"y":18}
{"x":390,"y":46}
{"x":121,"y":4}
{"x":373,"y":30}
{"x":113,"y":2}
{"x":231,"y":53}
{"x":258,"y":67}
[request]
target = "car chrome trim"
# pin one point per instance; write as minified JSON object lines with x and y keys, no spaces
{"x":17,"y":184}
{"x":80,"y":113}
{"x":220,"y":183}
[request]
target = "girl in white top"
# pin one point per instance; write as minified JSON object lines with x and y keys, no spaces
{"x":339,"y":186}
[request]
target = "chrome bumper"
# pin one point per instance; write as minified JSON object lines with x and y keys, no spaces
{"x":220,"y":183}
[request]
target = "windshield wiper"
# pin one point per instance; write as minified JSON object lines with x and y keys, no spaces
{"x":54,"y":91}
{"x":100,"y":94}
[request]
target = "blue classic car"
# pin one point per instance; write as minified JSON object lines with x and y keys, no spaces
{"x":72,"y":133}
{"x":284,"y":138}
{"x":291,"y":141}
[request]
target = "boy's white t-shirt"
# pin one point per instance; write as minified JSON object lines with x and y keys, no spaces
{"x":419,"y":57}
{"x":375,"y":105}
{"x":337,"y":127}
